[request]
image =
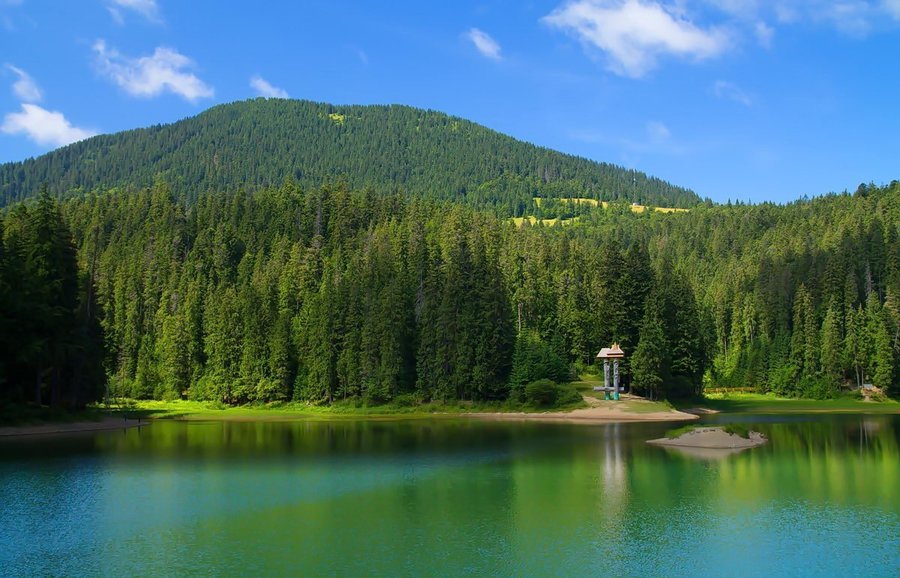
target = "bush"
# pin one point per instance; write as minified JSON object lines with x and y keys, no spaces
{"x":407,"y":400}
{"x":818,"y":388}
{"x":541,"y":393}
{"x":567,"y":395}
{"x":534,"y":360}
{"x":547,"y":393}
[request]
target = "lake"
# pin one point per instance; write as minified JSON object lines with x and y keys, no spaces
{"x":449,"y":497}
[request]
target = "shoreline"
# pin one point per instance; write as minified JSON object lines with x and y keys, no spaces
{"x":587,"y":416}
{"x":590,"y":415}
{"x":105,"y":424}
{"x":599,"y":412}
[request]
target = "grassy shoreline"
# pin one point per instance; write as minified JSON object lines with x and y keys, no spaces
{"x":760,"y":403}
{"x":195,"y":410}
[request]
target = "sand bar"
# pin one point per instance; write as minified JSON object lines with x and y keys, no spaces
{"x":714,"y":438}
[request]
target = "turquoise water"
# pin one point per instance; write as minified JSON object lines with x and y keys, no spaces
{"x":449,"y":497}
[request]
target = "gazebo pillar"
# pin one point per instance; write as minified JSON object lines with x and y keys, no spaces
{"x":616,"y":379}
{"x":606,"y":379}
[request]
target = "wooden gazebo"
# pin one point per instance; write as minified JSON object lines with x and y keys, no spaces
{"x":613,"y":353}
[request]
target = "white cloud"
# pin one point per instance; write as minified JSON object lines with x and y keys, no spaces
{"x":146,"y":8}
{"x":146,"y":76}
{"x":635,"y":33}
{"x":658,"y":132}
{"x":892,"y":7}
{"x":740,"y":8}
{"x":45,"y":127}
{"x":764,"y":34}
{"x":483,"y":42}
{"x":263,"y":88}
{"x":731,"y":91}
{"x":853,"y":17}
{"x":26,"y":89}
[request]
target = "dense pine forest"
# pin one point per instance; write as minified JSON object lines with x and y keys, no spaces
{"x":328,"y":293}
{"x":260,"y":143}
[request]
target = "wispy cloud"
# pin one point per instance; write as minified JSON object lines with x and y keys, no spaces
{"x":731,"y":91}
{"x":657,"y":132}
{"x":166,"y":70}
{"x":850,"y":17}
{"x":146,"y":8}
{"x":263,"y":88}
{"x":45,"y":127}
{"x":892,"y":7}
{"x":483,"y":42}
{"x":764,"y":34}
{"x":25,"y":88}
{"x":633,"y":34}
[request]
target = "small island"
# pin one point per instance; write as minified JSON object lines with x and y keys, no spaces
{"x":710,"y":442}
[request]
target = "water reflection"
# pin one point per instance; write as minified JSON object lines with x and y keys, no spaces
{"x":449,"y":497}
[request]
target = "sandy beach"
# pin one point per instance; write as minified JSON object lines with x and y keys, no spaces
{"x":603,"y":412}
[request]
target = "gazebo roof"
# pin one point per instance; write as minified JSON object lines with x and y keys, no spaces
{"x":611,"y":352}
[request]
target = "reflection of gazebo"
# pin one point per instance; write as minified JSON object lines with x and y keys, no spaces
{"x":614,"y":353}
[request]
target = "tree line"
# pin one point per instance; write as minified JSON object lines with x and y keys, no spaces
{"x":327,"y":294}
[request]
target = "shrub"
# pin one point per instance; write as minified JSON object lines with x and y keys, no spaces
{"x":407,"y":400}
{"x":567,"y":395}
{"x":546,"y":393}
{"x":541,"y":393}
{"x":535,"y":359}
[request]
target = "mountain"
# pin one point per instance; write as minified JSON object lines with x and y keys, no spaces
{"x":262,"y":142}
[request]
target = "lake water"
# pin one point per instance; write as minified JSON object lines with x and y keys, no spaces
{"x":449,"y":497}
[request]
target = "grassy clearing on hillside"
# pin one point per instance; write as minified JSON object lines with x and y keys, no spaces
{"x":605,"y":204}
{"x":519,"y":221}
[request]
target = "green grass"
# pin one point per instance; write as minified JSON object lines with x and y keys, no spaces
{"x":680,"y":431}
{"x":739,"y":430}
{"x":586,"y":385}
{"x":759,"y":403}
{"x":195,"y":410}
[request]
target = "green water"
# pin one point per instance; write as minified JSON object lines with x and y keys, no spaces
{"x":451,"y":497}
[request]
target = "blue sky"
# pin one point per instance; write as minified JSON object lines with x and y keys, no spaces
{"x":738,"y":99}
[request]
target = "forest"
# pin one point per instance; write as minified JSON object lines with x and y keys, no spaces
{"x":390,"y":149}
{"x":330,"y":293}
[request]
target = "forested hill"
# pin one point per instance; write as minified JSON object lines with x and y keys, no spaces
{"x":328,"y":294}
{"x":261,"y":142}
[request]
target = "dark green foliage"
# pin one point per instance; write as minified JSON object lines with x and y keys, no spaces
{"x":541,"y":393}
{"x":327,"y":295}
{"x":545,"y":393}
{"x":261,"y":143}
{"x":52,"y":343}
{"x":534,"y":359}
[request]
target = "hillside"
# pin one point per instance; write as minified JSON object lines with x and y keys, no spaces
{"x":262,"y":142}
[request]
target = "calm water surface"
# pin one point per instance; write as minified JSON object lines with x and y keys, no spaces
{"x":451,"y":497}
